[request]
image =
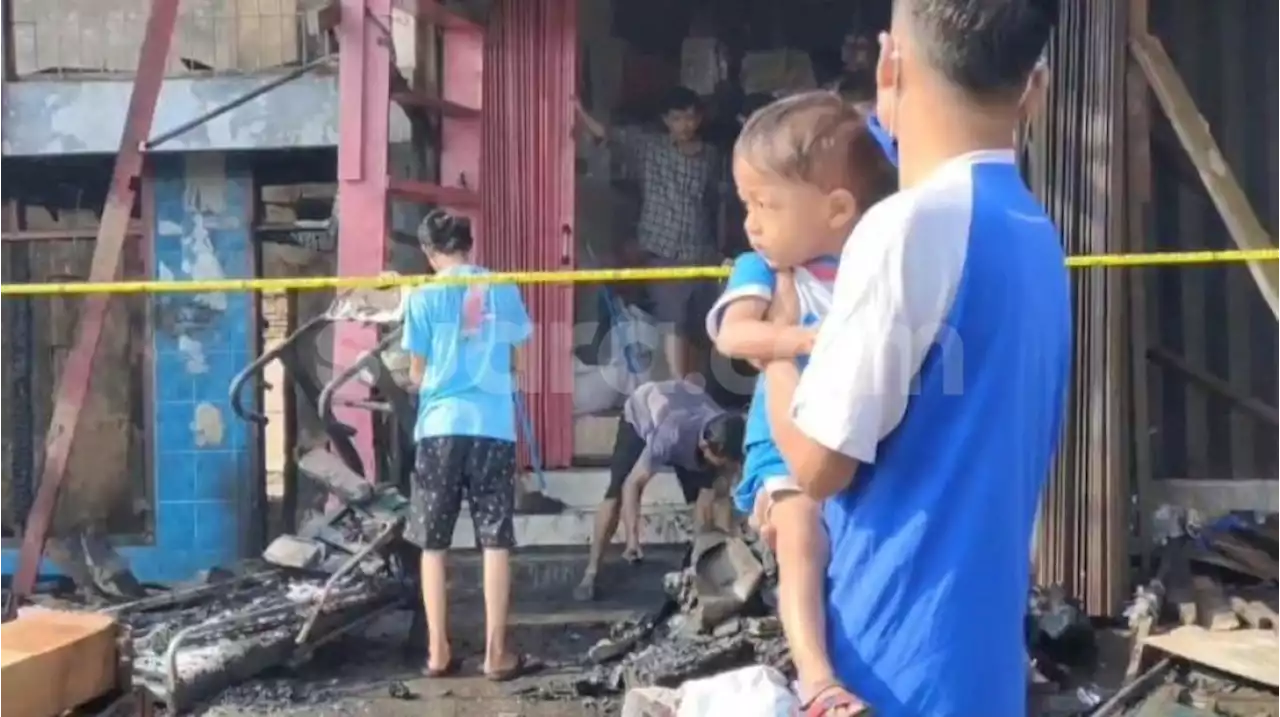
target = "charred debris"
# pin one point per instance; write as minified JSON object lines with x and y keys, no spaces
{"x":1203,"y":629}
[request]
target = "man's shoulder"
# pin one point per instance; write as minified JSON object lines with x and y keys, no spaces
{"x":921,"y":219}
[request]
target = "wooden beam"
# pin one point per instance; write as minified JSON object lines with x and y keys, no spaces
{"x":1213,"y":384}
{"x":134,"y":230}
{"x":1137,"y":207}
{"x":1176,"y":101}
{"x":61,"y":660}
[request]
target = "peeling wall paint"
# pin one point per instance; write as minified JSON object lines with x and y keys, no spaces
{"x":207,"y":426}
{"x":51,"y":117}
{"x":204,"y":208}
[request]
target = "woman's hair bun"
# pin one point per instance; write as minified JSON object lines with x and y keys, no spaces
{"x":444,"y":232}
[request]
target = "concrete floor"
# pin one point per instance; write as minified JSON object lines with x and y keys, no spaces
{"x":377,"y":672}
{"x":389,"y":685}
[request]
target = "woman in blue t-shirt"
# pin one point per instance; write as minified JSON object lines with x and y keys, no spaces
{"x":464,"y":342}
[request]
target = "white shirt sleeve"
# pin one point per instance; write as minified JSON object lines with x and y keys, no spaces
{"x":898,"y":276}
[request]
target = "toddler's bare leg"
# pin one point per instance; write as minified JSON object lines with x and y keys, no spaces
{"x":802,"y":551}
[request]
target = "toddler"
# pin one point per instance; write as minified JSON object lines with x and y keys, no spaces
{"x":806,"y":168}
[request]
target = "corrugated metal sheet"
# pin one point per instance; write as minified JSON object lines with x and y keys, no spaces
{"x":527,"y":185}
{"x":1076,"y":167}
{"x":1213,"y":319}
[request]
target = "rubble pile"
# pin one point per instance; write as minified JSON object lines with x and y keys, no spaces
{"x":342,"y":570}
{"x":1205,"y":626}
{"x":718,"y":616}
{"x":1061,"y":640}
{"x":188,"y":644}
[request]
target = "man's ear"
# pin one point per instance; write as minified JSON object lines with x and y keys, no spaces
{"x":1033,"y":94}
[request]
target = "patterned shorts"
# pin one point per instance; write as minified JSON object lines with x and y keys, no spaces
{"x":449,"y":468}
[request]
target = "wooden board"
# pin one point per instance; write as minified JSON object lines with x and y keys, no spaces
{"x":1251,"y":654}
{"x":52,"y":661}
{"x":1193,"y":131}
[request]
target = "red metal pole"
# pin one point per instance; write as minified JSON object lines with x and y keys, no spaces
{"x":73,"y":384}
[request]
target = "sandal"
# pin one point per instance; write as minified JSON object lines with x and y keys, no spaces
{"x":834,"y":697}
{"x":522,"y":667}
{"x":450,"y":669}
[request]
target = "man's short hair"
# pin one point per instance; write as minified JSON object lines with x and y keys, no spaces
{"x":987,"y":48}
{"x":820,"y":139}
{"x":723,"y":436}
{"x":680,"y":98}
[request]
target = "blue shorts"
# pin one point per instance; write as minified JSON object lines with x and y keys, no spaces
{"x":762,"y":468}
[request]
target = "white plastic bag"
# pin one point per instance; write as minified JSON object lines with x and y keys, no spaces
{"x":597,"y":389}
{"x":633,"y":342}
{"x":756,"y":691}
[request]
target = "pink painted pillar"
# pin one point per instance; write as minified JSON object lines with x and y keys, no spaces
{"x":364,"y":100}
{"x":462,"y":84}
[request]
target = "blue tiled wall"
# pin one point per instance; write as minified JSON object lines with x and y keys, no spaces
{"x":202,"y":459}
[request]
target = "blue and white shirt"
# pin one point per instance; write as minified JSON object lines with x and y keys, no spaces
{"x":752,"y":277}
{"x":942,"y":369}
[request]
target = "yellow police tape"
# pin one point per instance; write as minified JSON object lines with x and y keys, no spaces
{"x":574,"y":276}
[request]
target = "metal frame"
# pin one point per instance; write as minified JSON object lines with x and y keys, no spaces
{"x":240,"y":101}
{"x":365,"y":65}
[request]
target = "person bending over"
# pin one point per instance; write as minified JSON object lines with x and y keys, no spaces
{"x":806,"y":168}
{"x":664,"y":424}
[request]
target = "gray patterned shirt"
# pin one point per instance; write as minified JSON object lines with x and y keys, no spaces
{"x":670,"y":416}
{"x":680,"y":196}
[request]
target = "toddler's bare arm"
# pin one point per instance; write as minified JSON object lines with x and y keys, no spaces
{"x":746,"y":332}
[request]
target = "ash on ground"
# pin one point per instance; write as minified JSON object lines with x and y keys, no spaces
{"x":718,"y":615}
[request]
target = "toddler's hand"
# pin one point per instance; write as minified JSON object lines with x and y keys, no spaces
{"x":760,"y":519}
{"x":785,"y":306}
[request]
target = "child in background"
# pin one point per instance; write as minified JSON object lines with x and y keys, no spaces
{"x":806,"y":168}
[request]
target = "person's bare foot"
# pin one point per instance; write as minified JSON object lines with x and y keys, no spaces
{"x":633,"y":554}
{"x":509,"y":667}
{"x":441,"y":663}
{"x":586,"y":590}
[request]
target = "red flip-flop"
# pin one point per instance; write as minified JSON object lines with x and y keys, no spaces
{"x":833,"y":697}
